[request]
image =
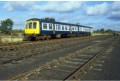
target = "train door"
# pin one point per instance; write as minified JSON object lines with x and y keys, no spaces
{"x":70,"y":29}
{"x":53,"y":28}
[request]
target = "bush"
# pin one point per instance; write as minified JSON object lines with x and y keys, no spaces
{"x":6,"y":26}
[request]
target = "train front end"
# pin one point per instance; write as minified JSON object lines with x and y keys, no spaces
{"x":31,"y":29}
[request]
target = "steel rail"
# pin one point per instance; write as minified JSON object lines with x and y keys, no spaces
{"x":30,"y":55}
{"x":50,"y":64}
{"x":29,"y":44}
{"x":86,"y":66}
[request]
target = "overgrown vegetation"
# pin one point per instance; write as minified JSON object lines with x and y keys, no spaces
{"x":6,"y":29}
{"x":102,"y":30}
{"x":6,"y":26}
{"x":7,"y":34}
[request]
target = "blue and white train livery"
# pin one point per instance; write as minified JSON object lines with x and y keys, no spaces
{"x":42,"y":29}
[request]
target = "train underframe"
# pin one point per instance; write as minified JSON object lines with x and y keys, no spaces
{"x":34,"y":37}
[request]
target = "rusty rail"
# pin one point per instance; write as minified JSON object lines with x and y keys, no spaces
{"x":11,"y":47}
{"x":56,"y":62}
{"x":86,"y":66}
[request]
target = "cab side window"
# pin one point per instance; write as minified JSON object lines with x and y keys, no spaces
{"x":30,"y":25}
{"x":34,"y":25}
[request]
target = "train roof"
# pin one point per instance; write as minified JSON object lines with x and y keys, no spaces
{"x":57,"y":22}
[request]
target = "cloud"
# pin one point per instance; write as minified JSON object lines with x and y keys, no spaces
{"x":17,"y":5}
{"x":58,"y":6}
{"x":115,"y":11}
{"x":67,"y":6}
{"x":105,"y":25}
{"x":114,"y":15}
{"x":71,"y":18}
{"x":99,"y":9}
{"x":116,"y":6}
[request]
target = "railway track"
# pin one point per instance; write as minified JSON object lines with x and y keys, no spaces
{"x":32,"y":42}
{"x":13,"y":56}
{"x":67,"y":67}
{"x":77,"y":74}
{"x":27,"y":44}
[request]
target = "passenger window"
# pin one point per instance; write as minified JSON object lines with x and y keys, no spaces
{"x":65,"y":27}
{"x":56,"y":27}
{"x":30,"y":25}
{"x":44,"y":26}
{"x":62,"y":27}
{"x":50,"y":26}
{"x":77,"y":28}
{"x":68,"y":27}
{"x":80,"y":28}
{"x":59,"y":27}
{"x":73,"y":28}
{"x":34,"y":25}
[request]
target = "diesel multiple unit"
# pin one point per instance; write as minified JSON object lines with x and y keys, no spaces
{"x":36,"y":29}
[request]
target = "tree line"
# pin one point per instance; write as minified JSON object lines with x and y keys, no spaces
{"x":102,"y":30}
{"x":6,"y":26}
{"x":49,"y":19}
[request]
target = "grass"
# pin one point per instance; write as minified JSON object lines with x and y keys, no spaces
{"x":11,"y":38}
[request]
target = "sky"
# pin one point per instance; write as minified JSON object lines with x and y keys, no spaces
{"x":96,"y":14}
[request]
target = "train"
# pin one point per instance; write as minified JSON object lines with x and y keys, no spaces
{"x":36,"y":29}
